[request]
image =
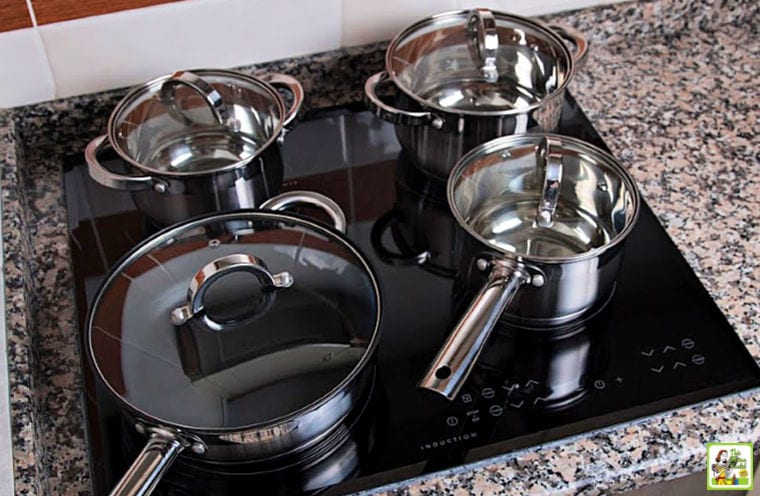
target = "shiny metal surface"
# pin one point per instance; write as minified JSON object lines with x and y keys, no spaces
{"x":150,"y":465}
{"x":452,"y":365}
{"x":432,"y":65}
{"x":180,"y":160}
{"x":237,"y":440}
{"x":551,"y":162}
{"x":211,"y":272}
{"x":484,"y":42}
{"x":494,"y":193}
{"x":324,"y":203}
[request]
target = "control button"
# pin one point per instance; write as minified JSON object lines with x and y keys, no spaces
{"x":668,"y":348}
{"x":687,"y":343}
{"x":657,"y":370}
{"x":600,"y":384}
{"x":530,"y":383}
{"x":488,"y":393}
{"x":452,"y":421}
{"x":517,"y":405}
{"x":697,"y":359}
{"x":496,"y":410}
{"x":466,"y":398}
{"x":648,"y":353}
{"x":539,"y":400}
{"x":510,"y":387}
{"x":678,"y":364}
{"x":619,"y":380}
{"x":474,"y":415}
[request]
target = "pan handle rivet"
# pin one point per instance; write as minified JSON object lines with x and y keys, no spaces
{"x":481,"y":264}
{"x":538,"y":280}
{"x":198,"y":448}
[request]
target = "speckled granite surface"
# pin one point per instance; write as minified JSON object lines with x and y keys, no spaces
{"x":672,"y":88}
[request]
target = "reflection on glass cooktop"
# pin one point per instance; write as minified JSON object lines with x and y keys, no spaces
{"x":659,"y":343}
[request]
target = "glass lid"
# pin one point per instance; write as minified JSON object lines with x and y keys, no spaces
{"x":479,"y":61}
{"x":234,"y":320}
{"x":196,"y":122}
{"x":543,"y":197}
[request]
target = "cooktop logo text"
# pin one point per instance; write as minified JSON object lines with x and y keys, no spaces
{"x":448,"y":441}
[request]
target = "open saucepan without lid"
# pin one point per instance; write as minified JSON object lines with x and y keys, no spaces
{"x":236,"y":336}
{"x":546,"y":218}
{"x":198,"y":142}
{"x":466,"y":77}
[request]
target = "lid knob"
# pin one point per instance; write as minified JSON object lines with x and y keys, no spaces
{"x":484,"y":42}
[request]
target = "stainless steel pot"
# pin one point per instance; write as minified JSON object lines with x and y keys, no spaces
{"x":286,"y":312}
{"x":467,"y":77}
{"x":198,"y":142}
{"x":546,"y":218}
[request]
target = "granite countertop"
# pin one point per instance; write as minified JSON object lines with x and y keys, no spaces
{"x":672,"y":88}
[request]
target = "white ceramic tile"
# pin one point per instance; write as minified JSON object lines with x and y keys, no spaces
{"x":24,"y":72}
{"x":126,"y":48}
{"x":366,"y":21}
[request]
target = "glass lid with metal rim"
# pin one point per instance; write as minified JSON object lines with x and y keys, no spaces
{"x":543,"y":197}
{"x":234,"y":320}
{"x":479,"y":61}
{"x":196,"y":122}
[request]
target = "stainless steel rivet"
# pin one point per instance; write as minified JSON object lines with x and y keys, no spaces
{"x":198,"y":448}
{"x":159,"y":188}
{"x":602,"y":187}
{"x":213,"y":243}
{"x":140,"y":428}
{"x":481,"y":264}
{"x":538,"y":280}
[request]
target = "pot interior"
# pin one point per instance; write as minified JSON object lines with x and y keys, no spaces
{"x":496,"y":189}
{"x":182,"y":135}
{"x":434,"y":61}
{"x":273,"y":352}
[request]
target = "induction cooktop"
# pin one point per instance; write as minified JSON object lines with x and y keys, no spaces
{"x":659,"y":343}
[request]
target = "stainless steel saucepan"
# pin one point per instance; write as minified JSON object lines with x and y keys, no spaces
{"x":546,"y":218}
{"x":235,"y":337}
{"x":198,"y":142}
{"x":465,"y":77}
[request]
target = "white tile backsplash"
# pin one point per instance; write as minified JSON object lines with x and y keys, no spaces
{"x":24,"y":72}
{"x":129,"y":47}
{"x":126,"y":48}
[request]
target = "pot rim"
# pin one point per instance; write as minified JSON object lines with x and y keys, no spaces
{"x":502,"y":143}
{"x":538,"y":25}
{"x":167,"y":233}
{"x":137,"y":91}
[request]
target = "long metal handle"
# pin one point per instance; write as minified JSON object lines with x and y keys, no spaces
{"x":292,"y":85}
{"x":148,"y":468}
{"x":205,"y":277}
{"x":550,"y":160}
{"x":324,"y":203}
{"x":392,"y":114}
{"x":205,"y":90}
{"x":451,"y":367}
{"x":110,"y":179}
{"x":577,"y":39}
{"x":484,"y":42}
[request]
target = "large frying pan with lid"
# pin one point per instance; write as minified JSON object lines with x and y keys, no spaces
{"x":545,"y":220}
{"x":236,"y":336}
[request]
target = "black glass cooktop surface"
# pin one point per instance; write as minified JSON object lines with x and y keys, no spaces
{"x":658,"y":344}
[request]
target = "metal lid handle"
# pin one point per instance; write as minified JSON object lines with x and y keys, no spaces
{"x":484,"y":42}
{"x":550,"y":160}
{"x":205,"y":90}
{"x":325,"y":203}
{"x":217,"y":269}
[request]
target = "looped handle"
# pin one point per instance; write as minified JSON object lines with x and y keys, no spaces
{"x":577,"y":39}
{"x":550,"y":159}
{"x":238,"y":262}
{"x":484,"y":42}
{"x":398,"y":259}
{"x":324,"y":203}
{"x":204,"y":89}
{"x":109,"y":179}
{"x":291,"y":85}
{"x":393,"y":114}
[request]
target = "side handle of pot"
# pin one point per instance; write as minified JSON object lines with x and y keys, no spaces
{"x":379,"y":228}
{"x":150,"y":465}
{"x":324,"y":203}
{"x":291,"y":85}
{"x":392,"y":114}
{"x":110,"y":179}
{"x":452,"y":365}
{"x":577,"y":39}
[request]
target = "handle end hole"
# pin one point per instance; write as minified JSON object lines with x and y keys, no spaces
{"x":443,"y":372}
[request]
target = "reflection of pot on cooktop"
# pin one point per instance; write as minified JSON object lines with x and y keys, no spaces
{"x":543,"y":368}
{"x":420,"y":229}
